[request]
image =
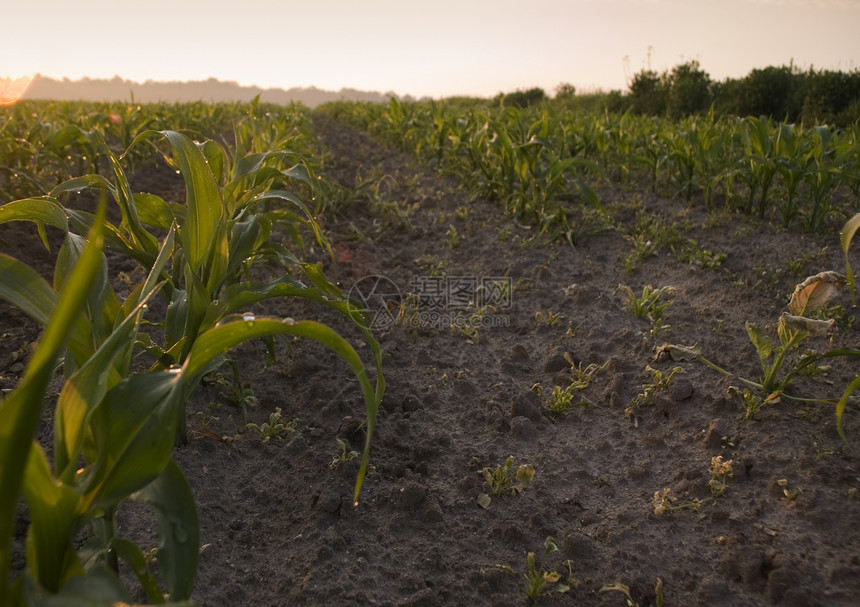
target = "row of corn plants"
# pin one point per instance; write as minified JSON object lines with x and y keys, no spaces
{"x":130,"y":363}
{"x":44,"y":143}
{"x":537,"y":160}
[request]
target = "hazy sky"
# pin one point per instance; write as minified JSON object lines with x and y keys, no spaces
{"x":436,"y":48}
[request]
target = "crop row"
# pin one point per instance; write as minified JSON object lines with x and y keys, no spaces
{"x":536,"y":161}
{"x":132,"y":354}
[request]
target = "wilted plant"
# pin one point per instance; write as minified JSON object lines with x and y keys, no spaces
{"x":660,"y":383}
{"x":810,"y":296}
{"x":719,"y":472}
{"x":537,"y":581}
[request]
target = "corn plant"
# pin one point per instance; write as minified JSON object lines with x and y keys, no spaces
{"x":123,"y":422}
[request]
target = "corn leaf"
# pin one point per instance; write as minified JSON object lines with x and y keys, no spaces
{"x":24,"y":288}
{"x":853,"y":387}
{"x":85,"y":389}
{"x":98,"y":588}
{"x":132,"y":555}
{"x":21,"y":410}
{"x":40,"y":210}
{"x":204,"y":207}
{"x":178,"y":529}
{"x":848,"y":230}
{"x":240,"y":328}
{"x":134,"y":430}
{"x":154,"y":211}
{"x":53,"y":510}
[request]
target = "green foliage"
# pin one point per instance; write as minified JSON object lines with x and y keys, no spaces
{"x":649,"y":305}
{"x":537,"y":581}
{"x":689,"y":90}
{"x":523,"y":98}
{"x":114,"y":424}
{"x":505,"y":479}
{"x":275,"y":427}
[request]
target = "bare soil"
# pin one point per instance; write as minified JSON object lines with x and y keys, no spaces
{"x":278,"y":525}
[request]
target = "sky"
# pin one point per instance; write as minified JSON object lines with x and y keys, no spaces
{"x":422,"y":48}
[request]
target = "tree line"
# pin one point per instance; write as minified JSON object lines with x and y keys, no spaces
{"x":783,"y":93}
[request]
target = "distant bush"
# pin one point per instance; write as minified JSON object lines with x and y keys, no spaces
{"x":524,"y":98}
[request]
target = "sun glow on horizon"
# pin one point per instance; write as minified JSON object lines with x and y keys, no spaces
{"x":11,"y":90}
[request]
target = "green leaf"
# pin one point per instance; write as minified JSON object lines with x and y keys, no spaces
{"x":86,"y":388}
{"x":154,"y":211}
{"x":134,"y":430}
{"x":40,"y":210}
{"x":98,"y":588}
{"x":763,"y":344}
{"x":51,"y":557}
{"x":24,"y":288}
{"x":843,"y":402}
{"x":20,"y":412}
{"x":178,"y":529}
{"x":848,"y":230}
{"x":132,"y":555}
{"x":240,"y":328}
{"x":204,"y":208}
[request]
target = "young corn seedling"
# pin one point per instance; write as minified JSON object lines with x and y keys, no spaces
{"x":504,"y":479}
{"x":537,"y":581}
{"x":114,"y":429}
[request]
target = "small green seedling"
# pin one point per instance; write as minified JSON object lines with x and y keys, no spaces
{"x":649,"y":305}
{"x":276,"y":427}
{"x":503,"y":479}
{"x":547,"y":318}
{"x":562,"y":400}
{"x":537,"y":581}
{"x":467,"y":330}
{"x":582,"y":377}
{"x":453,"y":237}
{"x":344,"y":456}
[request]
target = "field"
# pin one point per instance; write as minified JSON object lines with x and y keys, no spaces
{"x":550,"y":357}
